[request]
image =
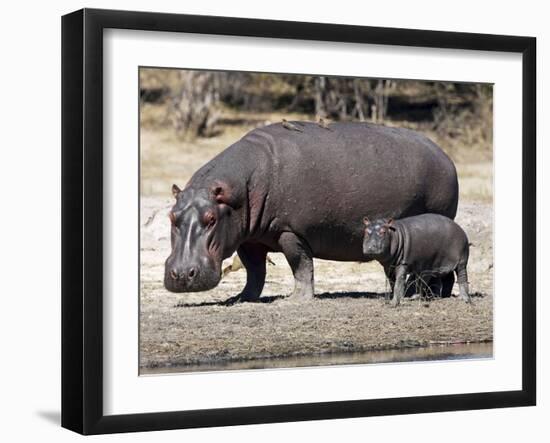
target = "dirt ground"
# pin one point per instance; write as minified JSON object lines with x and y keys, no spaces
{"x":349,"y":313}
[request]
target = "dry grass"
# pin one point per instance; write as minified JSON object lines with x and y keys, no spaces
{"x":289,"y":327}
{"x":476,"y":181}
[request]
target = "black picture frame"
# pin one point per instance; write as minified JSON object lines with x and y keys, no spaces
{"x":82,"y":218}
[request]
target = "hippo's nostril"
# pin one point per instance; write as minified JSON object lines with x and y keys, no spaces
{"x":174,"y":274}
{"x":191,"y":272}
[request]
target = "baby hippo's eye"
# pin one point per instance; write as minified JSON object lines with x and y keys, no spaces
{"x":382,"y":231}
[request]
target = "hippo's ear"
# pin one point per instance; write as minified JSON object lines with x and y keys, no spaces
{"x":175,"y":191}
{"x":366,"y":221}
{"x":389,"y":224}
{"x":224,"y":194}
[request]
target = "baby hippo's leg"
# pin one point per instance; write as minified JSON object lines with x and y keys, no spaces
{"x":462,"y":277}
{"x":399,"y":288}
{"x":390,"y":276}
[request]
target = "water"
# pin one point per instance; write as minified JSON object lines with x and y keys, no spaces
{"x":430,"y":353}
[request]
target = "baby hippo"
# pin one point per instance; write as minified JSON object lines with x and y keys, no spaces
{"x":427,"y":245}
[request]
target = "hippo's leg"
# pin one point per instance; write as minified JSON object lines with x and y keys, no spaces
{"x":462,"y":277}
{"x":300,"y":259}
{"x":399,"y":289}
{"x":253,"y":257}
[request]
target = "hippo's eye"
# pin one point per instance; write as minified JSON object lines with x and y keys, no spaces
{"x":209,"y":219}
{"x":382,"y":231}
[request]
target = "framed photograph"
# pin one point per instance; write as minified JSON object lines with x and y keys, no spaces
{"x":269,"y":221}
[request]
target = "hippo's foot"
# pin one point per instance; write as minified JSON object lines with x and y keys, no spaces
{"x":243,"y":297}
{"x":253,"y":257}
{"x":249,"y":297}
{"x":394,"y":303}
{"x":305,"y":291}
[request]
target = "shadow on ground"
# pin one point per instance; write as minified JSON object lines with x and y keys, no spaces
{"x":323,"y":296}
{"x":338,"y":295}
{"x":230,"y":301}
{"x":54,"y":417}
{"x":377,"y":295}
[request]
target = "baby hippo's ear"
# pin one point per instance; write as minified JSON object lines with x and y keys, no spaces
{"x":389,"y":224}
{"x":366,"y":221}
{"x":175,"y":190}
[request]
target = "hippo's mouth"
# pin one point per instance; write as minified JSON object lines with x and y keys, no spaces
{"x":203,"y":279}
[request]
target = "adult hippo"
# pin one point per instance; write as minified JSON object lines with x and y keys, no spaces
{"x":301,"y":189}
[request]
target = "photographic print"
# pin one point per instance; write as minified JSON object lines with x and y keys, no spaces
{"x":269,"y":221}
{"x":301,"y":220}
